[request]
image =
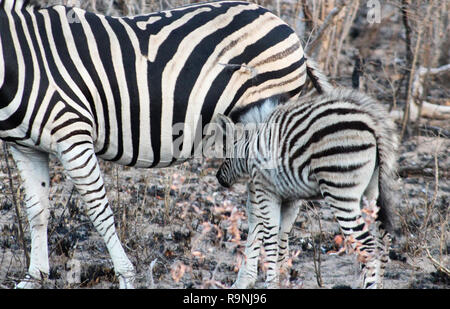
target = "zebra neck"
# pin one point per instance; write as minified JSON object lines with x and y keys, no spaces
{"x":241,"y":167}
{"x":247,"y":160}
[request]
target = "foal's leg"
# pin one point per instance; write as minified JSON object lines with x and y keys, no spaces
{"x":270,"y":210}
{"x":289,"y":212}
{"x":342,"y":186}
{"x":375,"y":268}
{"x":263,"y":211}
{"x":248,"y":273}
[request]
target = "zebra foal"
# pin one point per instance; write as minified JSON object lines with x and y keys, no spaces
{"x":337,"y":147}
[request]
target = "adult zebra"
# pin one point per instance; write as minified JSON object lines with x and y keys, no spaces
{"x":80,"y":85}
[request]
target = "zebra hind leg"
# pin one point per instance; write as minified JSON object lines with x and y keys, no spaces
{"x":373,"y":270}
{"x":363,"y":240}
{"x":80,"y":163}
{"x":374,"y":267}
{"x":345,"y":199}
{"x":33,"y":169}
{"x":289,"y":212}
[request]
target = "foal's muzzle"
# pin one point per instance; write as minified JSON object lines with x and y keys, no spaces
{"x":221,"y":180}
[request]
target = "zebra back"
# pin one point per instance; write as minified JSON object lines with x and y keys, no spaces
{"x":146,"y":85}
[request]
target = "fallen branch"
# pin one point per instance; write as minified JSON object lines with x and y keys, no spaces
{"x":411,"y":171}
{"x":436,"y":264}
{"x":428,"y":110}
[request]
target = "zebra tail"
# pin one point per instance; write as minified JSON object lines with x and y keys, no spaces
{"x":388,"y":187}
{"x":318,"y":79}
{"x":384,"y":202}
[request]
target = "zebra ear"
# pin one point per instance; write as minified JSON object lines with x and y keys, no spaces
{"x":223,"y":122}
{"x":224,"y":127}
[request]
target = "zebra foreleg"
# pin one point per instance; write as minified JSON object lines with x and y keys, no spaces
{"x":33,"y":169}
{"x":270,"y":210}
{"x":289,"y":212}
{"x":248,"y":273}
{"x":80,"y":163}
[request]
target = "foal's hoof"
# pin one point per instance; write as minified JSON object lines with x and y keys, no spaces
{"x":243,"y":284}
{"x":126,"y":282}
{"x":272,"y":285}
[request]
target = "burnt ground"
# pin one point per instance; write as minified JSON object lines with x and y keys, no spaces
{"x":195,"y":230}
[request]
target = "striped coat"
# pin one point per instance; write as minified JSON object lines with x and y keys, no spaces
{"x":339,"y":147}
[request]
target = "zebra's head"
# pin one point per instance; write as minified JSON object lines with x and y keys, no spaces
{"x":235,"y":140}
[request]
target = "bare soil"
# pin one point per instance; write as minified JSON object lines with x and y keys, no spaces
{"x":184,"y":220}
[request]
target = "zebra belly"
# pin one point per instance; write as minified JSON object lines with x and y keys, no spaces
{"x":291,"y":188}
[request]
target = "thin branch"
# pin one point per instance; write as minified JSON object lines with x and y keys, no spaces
{"x":434,"y":131}
{"x":409,"y":63}
{"x":326,"y":23}
{"x":152,"y":265}
{"x":316,"y":251}
{"x":16,"y":206}
{"x":436,"y":264}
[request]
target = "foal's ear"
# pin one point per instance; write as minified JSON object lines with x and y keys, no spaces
{"x":224,"y":123}
{"x":224,"y":130}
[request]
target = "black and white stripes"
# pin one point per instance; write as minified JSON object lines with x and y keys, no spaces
{"x":125,"y":77}
{"x":337,"y":147}
{"x":80,"y":85}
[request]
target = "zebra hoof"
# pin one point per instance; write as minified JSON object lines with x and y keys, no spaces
{"x":272,"y":285}
{"x":28,"y":283}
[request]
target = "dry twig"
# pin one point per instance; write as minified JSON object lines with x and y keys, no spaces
{"x":436,"y":263}
{"x":326,"y":23}
{"x":16,"y":206}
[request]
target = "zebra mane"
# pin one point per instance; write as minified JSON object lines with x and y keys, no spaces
{"x":20,"y":3}
{"x":256,"y":112}
{"x":318,"y":79}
